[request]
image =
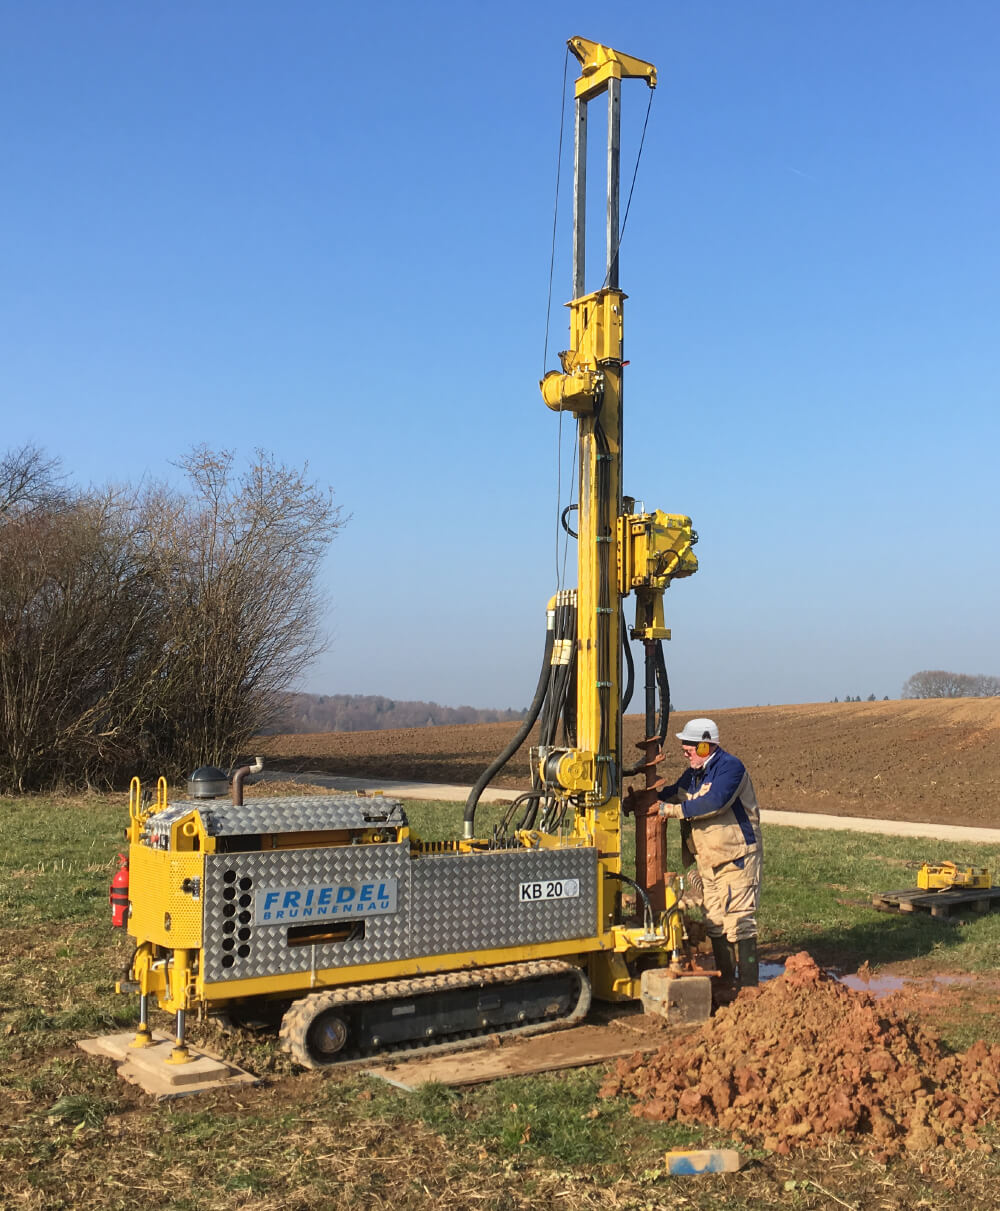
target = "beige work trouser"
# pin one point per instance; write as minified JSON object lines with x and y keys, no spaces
{"x":731,"y":896}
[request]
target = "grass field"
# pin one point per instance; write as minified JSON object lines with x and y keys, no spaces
{"x":73,"y":1135}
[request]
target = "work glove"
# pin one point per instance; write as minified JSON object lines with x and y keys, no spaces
{"x":671,"y":811}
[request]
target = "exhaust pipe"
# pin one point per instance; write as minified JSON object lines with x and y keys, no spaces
{"x":240,"y":777}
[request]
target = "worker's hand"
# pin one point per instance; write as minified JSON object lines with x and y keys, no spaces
{"x":671,"y":811}
{"x":640,"y":803}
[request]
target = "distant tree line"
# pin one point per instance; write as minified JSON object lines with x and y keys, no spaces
{"x":857,"y":698}
{"x":937,"y":683}
{"x":146,"y":629}
{"x":370,"y":713}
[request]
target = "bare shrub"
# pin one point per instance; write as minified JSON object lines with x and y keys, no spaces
{"x":75,"y":599}
{"x":151,"y":631}
{"x":241,"y":605}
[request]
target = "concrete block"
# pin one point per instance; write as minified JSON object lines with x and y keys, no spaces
{"x":676,"y":998}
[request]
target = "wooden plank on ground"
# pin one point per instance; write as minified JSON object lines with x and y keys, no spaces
{"x":942,"y":904}
{"x":576,"y":1047}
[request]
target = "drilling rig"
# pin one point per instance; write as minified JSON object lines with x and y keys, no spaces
{"x":330,"y":914}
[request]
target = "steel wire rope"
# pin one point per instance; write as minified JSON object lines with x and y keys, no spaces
{"x":560,"y":512}
{"x":628,"y":203}
{"x":621,"y":236}
{"x":613,"y":263}
{"x":548,"y":311}
{"x":561,"y":573}
{"x":635,"y":173}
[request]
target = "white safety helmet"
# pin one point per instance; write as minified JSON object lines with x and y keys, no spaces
{"x":697,"y":730}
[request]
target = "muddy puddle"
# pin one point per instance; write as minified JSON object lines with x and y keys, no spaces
{"x":876,"y":984}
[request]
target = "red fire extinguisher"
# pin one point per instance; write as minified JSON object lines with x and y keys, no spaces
{"x":118,"y":895}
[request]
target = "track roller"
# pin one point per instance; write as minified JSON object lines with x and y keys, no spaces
{"x":315,"y":1030}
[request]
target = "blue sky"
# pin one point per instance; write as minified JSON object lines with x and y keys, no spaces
{"x":325,"y":230}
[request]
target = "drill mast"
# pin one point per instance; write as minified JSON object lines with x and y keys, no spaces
{"x":617,"y":552}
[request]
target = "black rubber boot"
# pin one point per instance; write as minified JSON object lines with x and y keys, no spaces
{"x":725,"y":960}
{"x":749,"y":972}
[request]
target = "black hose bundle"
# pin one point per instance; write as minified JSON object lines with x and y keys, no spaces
{"x":554,"y":703}
{"x":522,"y":735}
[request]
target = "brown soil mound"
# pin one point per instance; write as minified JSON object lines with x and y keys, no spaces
{"x":803,"y":1059}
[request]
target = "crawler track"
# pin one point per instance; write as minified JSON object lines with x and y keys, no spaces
{"x":343,"y":1026}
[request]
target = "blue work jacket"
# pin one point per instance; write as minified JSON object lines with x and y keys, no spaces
{"x":721,"y":819}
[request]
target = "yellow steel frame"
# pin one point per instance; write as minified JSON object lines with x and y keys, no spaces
{"x":600,"y":64}
{"x":617,"y":554}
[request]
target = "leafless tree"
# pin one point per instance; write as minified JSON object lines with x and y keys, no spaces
{"x":151,"y":631}
{"x":29,"y":482}
{"x":242,"y":605}
{"x":938,"y":683}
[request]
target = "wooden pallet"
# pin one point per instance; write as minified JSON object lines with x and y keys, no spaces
{"x":945,"y":903}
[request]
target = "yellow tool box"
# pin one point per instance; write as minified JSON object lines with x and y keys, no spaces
{"x":949,"y":874}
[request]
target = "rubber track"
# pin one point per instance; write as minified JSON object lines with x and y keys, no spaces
{"x":297,"y":1019}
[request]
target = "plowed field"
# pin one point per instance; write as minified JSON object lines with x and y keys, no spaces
{"x":926,"y":760}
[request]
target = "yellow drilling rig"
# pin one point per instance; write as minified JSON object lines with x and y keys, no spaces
{"x":329,"y":914}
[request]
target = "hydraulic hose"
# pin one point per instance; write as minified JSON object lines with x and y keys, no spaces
{"x":522,"y":735}
{"x":629,"y":665}
{"x":647,"y":914}
{"x":529,"y":800}
{"x":657,"y":687}
{"x":663,"y":682}
{"x":569,"y":707}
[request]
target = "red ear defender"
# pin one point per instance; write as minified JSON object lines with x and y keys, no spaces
{"x":703,"y":749}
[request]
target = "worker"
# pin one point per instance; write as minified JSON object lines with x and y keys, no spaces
{"x":715,"y":802}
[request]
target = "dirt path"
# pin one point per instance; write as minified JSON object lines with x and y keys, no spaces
{"x":922,"y":761}
{"x":458,"y":794}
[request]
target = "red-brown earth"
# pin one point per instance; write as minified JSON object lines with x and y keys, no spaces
{"x":919,"y":760}
{"x":803,"y":1060}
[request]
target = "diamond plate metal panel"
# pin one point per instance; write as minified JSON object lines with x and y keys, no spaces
{"x":445,"y":903}
{"x":295,"y":814}
{"x":237,"y":949}
{"x":471,"y":901}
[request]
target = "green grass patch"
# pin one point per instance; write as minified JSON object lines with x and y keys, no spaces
{"x":817,"y":896}
{"x":437,"y":820}
{"x":72,"y":1134}
{"x":555,"y":1116}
